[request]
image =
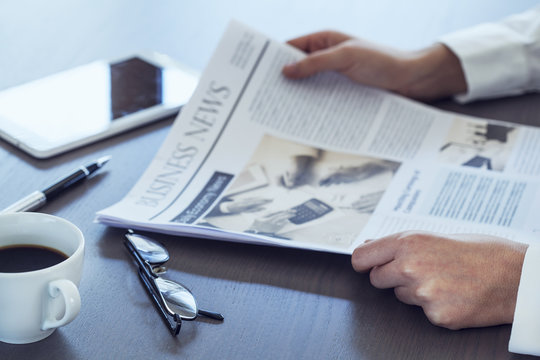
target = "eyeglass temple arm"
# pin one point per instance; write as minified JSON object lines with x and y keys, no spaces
{"x":210,"y":314}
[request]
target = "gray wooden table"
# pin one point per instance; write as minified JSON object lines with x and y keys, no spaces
{"x":278,"y":303}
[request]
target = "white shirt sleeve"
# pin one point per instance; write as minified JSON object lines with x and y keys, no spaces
{"x":499,"y":59}
{"x":525,"y":336}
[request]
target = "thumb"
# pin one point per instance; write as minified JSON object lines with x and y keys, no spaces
{"x":314,"y":63}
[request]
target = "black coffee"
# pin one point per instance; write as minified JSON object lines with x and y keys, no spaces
{"x":21,"y":258}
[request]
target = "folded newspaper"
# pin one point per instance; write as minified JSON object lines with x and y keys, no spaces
{"x":325,"y":163}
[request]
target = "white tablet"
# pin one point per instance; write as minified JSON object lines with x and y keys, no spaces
{"x":66,"y":110}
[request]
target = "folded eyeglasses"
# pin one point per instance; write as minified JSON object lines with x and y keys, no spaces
{"x":173,"y":300}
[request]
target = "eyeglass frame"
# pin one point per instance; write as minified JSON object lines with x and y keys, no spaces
{"x":148,"y":277}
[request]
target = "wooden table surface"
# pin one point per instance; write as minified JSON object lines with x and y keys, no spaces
{"x":278,"y":303}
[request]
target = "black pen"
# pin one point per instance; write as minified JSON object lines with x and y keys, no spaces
{"x":39,"y":198}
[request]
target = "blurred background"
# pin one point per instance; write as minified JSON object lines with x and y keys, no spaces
{"x":38,"y":38}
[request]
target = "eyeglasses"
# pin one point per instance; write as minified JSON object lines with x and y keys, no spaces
{"x":173,"y":300}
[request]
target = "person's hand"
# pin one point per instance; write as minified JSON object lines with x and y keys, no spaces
{"x":368,"y":202}
{"x":252,"y":204}
{"x":349,"y":174}
{"x":298,"y":171}
{"x":272,"y":223}
{"x":459,"y":280}
{"x":427,"y":74}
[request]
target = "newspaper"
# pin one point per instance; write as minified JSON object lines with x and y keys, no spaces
{"x":325,"y":163}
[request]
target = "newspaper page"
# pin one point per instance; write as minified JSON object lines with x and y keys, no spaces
{"x":325,"y":163}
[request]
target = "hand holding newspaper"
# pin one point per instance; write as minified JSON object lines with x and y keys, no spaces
{"x":325,"y":163}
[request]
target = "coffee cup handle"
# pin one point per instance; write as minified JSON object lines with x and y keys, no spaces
{"x":72,"y":301}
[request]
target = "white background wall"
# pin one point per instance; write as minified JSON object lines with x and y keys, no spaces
{"x":38,"y":38}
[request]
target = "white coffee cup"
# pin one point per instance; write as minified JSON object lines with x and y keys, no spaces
{"x":34,"y":303}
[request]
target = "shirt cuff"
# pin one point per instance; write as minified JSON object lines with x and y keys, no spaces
{"x":525,"y":336}
{"x":493,"y":59}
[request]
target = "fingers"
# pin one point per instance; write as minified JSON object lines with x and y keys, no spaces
{"x":375,"y":253}
{"x":450,"y":276}
{"x":406,"y":295}
{"x":287,"y":179}
{"x":387,"y":276}
{"x":323,"y":54}
{"x":323,"y":60}
{"x":255,"y":201}
{"x":280,"y":215}
{"x":379,"y":252}
{"x":318,"y":41}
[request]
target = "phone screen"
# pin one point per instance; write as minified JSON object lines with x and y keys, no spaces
{"x":89,"y":99}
